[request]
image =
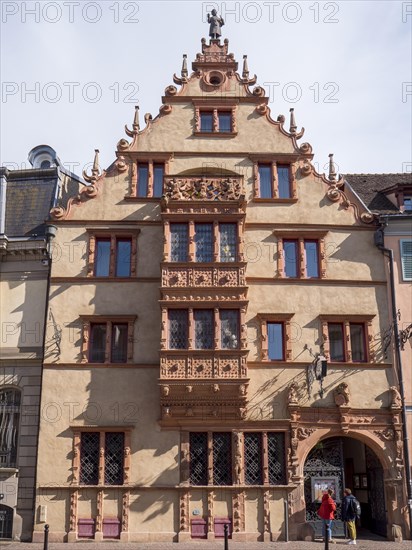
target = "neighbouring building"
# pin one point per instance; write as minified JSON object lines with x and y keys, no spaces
{"x":222,"y":355}
{"x":26,"y":197}
{"x":390,"y":195}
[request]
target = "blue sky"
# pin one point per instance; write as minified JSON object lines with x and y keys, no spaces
{"x":344,"y":66}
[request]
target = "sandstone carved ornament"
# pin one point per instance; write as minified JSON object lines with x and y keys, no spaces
{"x":221,"y":189}
{"x":341,"y":394}
{"x":396,"y":398}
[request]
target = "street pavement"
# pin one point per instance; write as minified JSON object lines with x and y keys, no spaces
{"x":375,"y":543}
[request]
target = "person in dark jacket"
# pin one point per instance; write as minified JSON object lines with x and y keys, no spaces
{"x":348,"y":515}
{"x":326,"y":512}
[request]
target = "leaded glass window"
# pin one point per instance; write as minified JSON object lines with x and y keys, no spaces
{"x":198,"y":458}
{"x":204,"y":328}
{"x":229,"y":328}
{"x":178,"y":328}
{"x":228,"y":242}
{"x":9,"y":426}
{"x":253,"y":458}
{"x":276,"y":458}
{"x":89,"y":458}
{"x":179,"y":240}
{"x":204,"y":242}
{"x":222,"y":458}
{"x":113,"y":458}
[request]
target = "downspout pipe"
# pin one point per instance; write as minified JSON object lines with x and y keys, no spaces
{"x":379,"y":241}
{"x":50,"y":233}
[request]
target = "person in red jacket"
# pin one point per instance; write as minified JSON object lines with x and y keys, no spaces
{"x":326,"y":512}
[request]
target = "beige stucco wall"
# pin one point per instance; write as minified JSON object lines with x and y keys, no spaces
{"x":78,"y":394}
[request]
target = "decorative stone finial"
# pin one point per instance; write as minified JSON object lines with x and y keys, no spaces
{"x":293,"y":126}
{"x":135,"y":125}
{"x":332,"y":171}
{"x":184,"y":72}
{"x":216,"y":24}
{"x":95,"y":170}
{"x":245,"y":72}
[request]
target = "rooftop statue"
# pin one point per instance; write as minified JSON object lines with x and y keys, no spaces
{"x":216,"y":23}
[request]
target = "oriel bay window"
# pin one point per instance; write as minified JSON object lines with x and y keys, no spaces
{"x":112,"y":255}
{"x":347,"y":340}
{"x":107,"y":340}
{"x":275,"y":181}
{"x":211,"y":242}
{"x":302,"y":257}
{"x":102,"y":457}
{"x":203,"y":329}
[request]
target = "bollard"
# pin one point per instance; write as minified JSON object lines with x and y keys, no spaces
{"x":46,"y":537}
{"x":286,"y":519}
{"x":326,"y":539}
{"x":226,"y":531}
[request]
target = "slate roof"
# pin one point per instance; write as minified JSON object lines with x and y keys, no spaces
{"x":370,"y":188}
{"x":28,"y":203}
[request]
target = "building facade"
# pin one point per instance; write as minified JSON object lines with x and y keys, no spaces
{"x":26,"y":197}
{"x":221,"y":308}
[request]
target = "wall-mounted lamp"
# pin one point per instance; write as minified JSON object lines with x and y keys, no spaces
{"x":50,"y":233}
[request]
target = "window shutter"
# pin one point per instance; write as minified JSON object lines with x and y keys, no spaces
{"x":406,"y":257}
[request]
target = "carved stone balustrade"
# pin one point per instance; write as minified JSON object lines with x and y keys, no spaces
{"x":173,"y":276}
{"x":215,"y":365}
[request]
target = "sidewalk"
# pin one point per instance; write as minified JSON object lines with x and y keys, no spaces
{"x":375,"y":544}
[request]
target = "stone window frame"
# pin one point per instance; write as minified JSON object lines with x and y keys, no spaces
{"x":150,"y":160}
{"x":273,"y":161}
{"x":214,"y":107}
{"x":102,"y":430}
{"x":301,"y":237}
{"x":242,"y":340}
{"x":113,"y":235}
{"x":285,"y":320}
{"x":88,"y":320}
{"x":191,"y":253}
{"x":237,"y":456}
{"x":346,"y":321}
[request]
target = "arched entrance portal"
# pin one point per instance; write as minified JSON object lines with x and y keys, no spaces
{"x":340,"y":462}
